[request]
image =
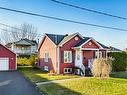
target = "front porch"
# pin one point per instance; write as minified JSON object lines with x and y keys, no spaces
{"x":84,"y":58}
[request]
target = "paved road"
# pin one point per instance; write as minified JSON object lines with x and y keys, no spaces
{"x":13,"y":83}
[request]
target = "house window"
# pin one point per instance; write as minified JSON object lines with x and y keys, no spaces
{"x":90,"y":43}
{"x":46,"y":68}
{"x":46,"y":57}
{"x":98,"y":54}
{"x":67,"y":56}
{"x":76,"y":38}
{"x":67,"y":70}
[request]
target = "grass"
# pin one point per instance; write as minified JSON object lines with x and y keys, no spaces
{"x":87,"y":86}
{"x":35,"y":75}
{"x":83,"y":86}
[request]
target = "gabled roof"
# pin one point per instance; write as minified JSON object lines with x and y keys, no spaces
{"x":56,"y":38}
{"x":113,"y":49}
{"x":68,"y":37}
{"x":88,"y":38}
{"x":106,"y":47}
{"x":7,"y":48}
{"x":23,"y":42}
{"x":82,"y":41}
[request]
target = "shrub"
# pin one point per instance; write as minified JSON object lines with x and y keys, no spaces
{"x":101,"y":67}
{"x":120,"y":62}
{"x":26,"y":61}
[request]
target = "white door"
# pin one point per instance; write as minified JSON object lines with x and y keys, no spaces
{"x":4,"y":64}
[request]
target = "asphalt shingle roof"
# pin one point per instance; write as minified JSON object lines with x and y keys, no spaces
{"x":114,"y":49}
{"x":56,"y":38}
{"x":66,"y":38}
{"x":60,"y":39}
{"x":86,"y":39}
{"x":82,"y":41}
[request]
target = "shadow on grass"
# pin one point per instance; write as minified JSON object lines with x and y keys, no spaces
{"x":122,"y":74}
{"x":46,"y":89}
{"x":56,"y":89}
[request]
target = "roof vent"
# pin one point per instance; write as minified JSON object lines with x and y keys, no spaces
{"x":66,"y":34}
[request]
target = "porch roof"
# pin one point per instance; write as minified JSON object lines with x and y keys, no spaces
{"x":86,"y":39}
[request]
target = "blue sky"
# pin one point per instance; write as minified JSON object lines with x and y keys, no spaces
{"x":47,"y":7}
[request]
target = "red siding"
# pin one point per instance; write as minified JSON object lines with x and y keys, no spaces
{"x":93,"y":45}
{"x":48,"y":46}
{"x":4,"y":52}
{"x":68,"y":46}
{"x":87,"y":55}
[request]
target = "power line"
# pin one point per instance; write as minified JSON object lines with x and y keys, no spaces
{"x":90,"y":10}
{"x":14,"y":28}
{"x":61,"y":19}
{"x":13,"y":31}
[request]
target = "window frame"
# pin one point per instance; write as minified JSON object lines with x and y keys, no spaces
{"x":46,"y":68}
{"x":67,"y":70}
{"x":46,"y":56}
{"x":67,"y":56}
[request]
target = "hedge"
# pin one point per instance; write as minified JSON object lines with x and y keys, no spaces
{"x":120,"y":61}
{"x":26,"y":61}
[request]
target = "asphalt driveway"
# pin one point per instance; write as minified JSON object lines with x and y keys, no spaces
{"x":13,"y":83}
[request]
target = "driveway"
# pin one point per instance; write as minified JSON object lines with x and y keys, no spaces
{"x":13,"y":83}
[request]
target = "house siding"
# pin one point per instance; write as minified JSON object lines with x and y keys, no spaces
{"x":4,"y":52}
{"x":93,"y":45}
{"x":48,"y":46}
{"x":68,"y":47}
{"x":87,"y":55}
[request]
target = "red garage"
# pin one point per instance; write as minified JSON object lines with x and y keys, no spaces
{"x":7,"y":59}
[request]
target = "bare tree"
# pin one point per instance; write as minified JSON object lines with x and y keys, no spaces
{"x":23,"y":31}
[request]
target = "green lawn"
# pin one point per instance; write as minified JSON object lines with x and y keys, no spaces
{"x":87,"y":86}
{"x":83,"y":86}
{"x":36,"y":75}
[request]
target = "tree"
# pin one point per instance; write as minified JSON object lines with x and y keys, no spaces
{"x":19,"y":32}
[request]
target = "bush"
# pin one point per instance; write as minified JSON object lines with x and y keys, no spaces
{"x":120,"y":61}
{"x":26,"y":61}
{"x":101,"y":67}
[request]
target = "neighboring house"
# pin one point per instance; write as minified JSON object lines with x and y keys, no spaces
{"x":113,"y":49}
{"x":23,"y":47}
{"x":62,"y":53}
{"x":7,"y":59}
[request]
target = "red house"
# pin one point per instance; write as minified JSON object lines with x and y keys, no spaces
{"x":61,"y":53}
{"x":7,"y":59}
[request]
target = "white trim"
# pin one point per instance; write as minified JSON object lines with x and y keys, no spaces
{"x":67,"y":70}
{"x":50,"y":40}
{"x":78,"y":62}
{"x":43,"y":39}
{"x":85,"y":42}
{"x":71,"y":38}
{"x":5,"y":66}
{"x":100,"y":47}
{"x":8,"y":49}
{"x":67,"y":53}
{"x":58,"y":60}
{"x":97,"y":43}
{"x":46,"y":68}
{"x":89,"y":49}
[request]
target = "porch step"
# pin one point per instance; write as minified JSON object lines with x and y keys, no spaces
{"x":88,"y":72}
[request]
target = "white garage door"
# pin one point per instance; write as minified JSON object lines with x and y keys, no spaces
{"x":4,"y":64}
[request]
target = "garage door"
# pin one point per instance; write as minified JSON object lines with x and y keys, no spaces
{"x":4,"y":64}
